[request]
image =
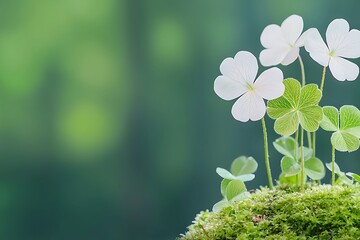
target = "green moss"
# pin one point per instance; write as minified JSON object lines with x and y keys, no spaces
{"x":321,"y":212}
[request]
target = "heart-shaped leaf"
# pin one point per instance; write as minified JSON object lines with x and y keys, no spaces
{"x":292,"y":180}
{"x":243,"y":165}
{"x":342,"y":178}
{"x":336,"y":168}
{"x":227,"y":175}
{"x":234,"y":188}
{"x":220,"y":205}
{"x":346,"y":133}
{"x":314,"y":168}
{"x":354,"y":176}
{"x":224,"y":184}
{"x":286,"y":146}
{"x":297,"y":106}
{"x":289,"y":166}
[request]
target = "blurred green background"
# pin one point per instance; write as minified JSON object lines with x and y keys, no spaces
{"x":109,"y":125}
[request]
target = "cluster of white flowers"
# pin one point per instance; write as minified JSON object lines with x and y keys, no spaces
{"x":282,"y":46}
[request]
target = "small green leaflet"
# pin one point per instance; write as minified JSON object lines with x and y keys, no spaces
{"x":290,"y":166}
{"x":354,"y":176}
{"x":342,"y":178}
{"x":297,"y":106}
{"x":345,"y":128}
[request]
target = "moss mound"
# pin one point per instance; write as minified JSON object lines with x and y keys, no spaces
{"x":321,"y":212}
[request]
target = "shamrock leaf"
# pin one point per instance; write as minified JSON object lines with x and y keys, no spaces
{"x":297,"y":106}
{"x":290,"y":163}
{"x":243,"y":165}
{"x":354,"y":176}
{"x":227,"y":175}
{"x":232,"y":190}
{"x":314,"y":168}
{"x":342,"y":178}
{"x":346,"y":129}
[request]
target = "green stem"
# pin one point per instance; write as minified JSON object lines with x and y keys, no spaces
{"x":309,"y":139}
{"x":322,"y":80}
{"x":302,"y":177}
{"x":296,"y":142}
{"x":333,"y":165}
{"x":266,"y":150}
{"x":302,"y":71}
{"x":314,"y":143}
{"x":302,"y":68}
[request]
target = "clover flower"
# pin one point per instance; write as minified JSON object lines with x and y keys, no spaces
{"x":237,"y":80}
{"x":283,"y":42}
{"x":341,"y":44}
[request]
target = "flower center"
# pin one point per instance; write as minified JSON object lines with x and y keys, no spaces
{"x":249,"y":87}
{"x":332,"y":53}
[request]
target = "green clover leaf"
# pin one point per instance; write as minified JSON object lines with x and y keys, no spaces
{"x":346,"y":127}
{"x":342,"y":178}
{"x":355,"y":177}
{"x":297,"y":106}
{"x":290,"y":163}
{"x":243,"y":165}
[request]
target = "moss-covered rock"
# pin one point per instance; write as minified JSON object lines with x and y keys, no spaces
{"x":321,"y":212}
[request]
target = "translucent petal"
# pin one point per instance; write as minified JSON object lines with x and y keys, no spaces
{"x":317,"y":48}
{"x":247,"y":65}
{"x":269,"y":84}
{"x":350,"y":48}
{"x":273,"y":56}
{"x":249,"y":106}
{"x":272,"y":37}
{"x":292,"y":55}
{"x":343,"y":69}
{"x":292,"y":28}
{"x":227,"y":88}
{"x":336,"y":33}
{"x":302,"y":39}
{"x":242,"y":68}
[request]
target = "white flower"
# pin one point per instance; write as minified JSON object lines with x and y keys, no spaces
{"x":341,"y":43}
{"x":282,"y":43}
{"x":237,"y":80}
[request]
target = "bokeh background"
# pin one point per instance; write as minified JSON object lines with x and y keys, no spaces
{"x":109,"y":126}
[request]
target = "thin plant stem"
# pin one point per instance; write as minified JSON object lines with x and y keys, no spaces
{"x":322,"y":80}
{"x":302,"y":71}
{"x":302,"y":176}
{"x":333,"y":165}
{"x":321,"y":89}
{"x":309,"y":139}
{"x":302,"y":68}
{"x":314,"y":143}
{"x":266,"y":150}
{"x":296,"y":142}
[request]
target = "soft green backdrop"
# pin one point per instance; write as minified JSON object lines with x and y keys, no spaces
{"x":109,"y":125}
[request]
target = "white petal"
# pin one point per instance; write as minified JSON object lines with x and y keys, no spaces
{"x":292,"y":28}
{"x":249,"y":106}
{"x":350,"y":48}
{"x":273,"y":56}
{"x":302,"y":39}
{"x":336,"y":33}
{"x":272,"y":37}
{"x":317,"y":48}
{"x":269,"y":84}
{"x":343,"y":69}
{"x":292,"y":55}
{"x":227,"y":88}
{"x":242,"y":68}
{"x":248,"y":65}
